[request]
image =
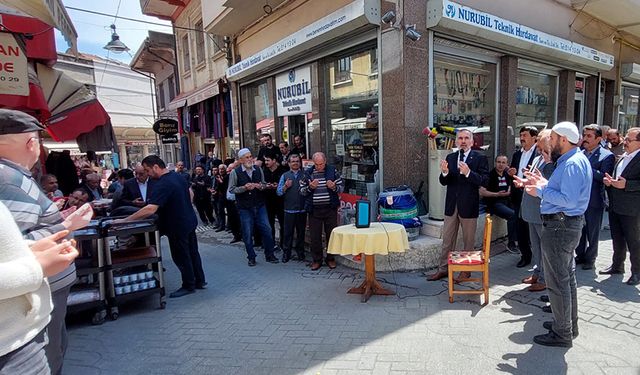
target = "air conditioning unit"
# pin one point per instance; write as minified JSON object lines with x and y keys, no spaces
{"x":630,"y":72}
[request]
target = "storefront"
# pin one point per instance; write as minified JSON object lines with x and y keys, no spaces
{"x":630,"y":92}
{"x":495,"y":76}
{"x":325,"y":101}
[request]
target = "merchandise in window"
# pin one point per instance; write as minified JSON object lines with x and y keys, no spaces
{"x":259,"y":118}
{"x":535,"y":101}
{"x":628,"y":115}
{"x":464,"y":98}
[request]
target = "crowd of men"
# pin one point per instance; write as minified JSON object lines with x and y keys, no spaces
{"x":553,"y":195}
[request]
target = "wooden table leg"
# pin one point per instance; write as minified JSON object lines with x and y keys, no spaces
{"x":370,"y":285}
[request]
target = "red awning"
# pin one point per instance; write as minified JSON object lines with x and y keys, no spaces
{"x":34,"y":104}
{"x":68,"y":125}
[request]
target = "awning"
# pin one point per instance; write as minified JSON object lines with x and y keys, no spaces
{"x":195,"y":96}
{"x":34,"y":104}
{"x":51,"y":12}
{"x":76,"y":113}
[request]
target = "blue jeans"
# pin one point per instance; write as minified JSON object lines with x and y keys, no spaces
{"x":503,"y":211}
{"x":256,"y":216}
{"x":560,"y":236}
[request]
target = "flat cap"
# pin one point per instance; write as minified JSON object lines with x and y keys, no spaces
{"x":17,"y":122}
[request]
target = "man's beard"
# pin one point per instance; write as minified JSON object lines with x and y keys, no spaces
{"x":248,"y":164}
{"x":556,"y":152}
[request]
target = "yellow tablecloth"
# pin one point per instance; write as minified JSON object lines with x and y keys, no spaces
{"x":379,"y":238}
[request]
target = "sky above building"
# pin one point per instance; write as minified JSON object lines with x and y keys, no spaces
{"x":94,"y":32}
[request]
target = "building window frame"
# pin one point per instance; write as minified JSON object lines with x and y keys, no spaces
{"x":161,"y":98}
{"x":200,"y":44}
{"x":342,"y":72}
{"x":186,"y":55}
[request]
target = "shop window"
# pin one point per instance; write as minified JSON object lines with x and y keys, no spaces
{"x":217,"y":43}
{"x":352,"y":145}
{"x":374,"y":61}
{"x":535,"y":101}
{"x":172,"y":88}
{"x":342,"y":70}
{"x":161,"y":95}
{"x":186,"y":58}
{"x":258,"y":118}
{"x":628,"y":115}
{"x":199,"y":43}
{"x":464,"y":98}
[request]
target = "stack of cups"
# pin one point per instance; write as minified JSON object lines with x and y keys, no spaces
{"x":134,"y":282}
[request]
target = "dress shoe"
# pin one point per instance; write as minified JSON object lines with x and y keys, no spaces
{"x":549,"y":324}
{"x":331,"y":263}
{"x":252,"y":262}
{"x":235,"y":239}
{"x":537,"y":287}
{"x":181,"y":292}
{"x":633,"y":280}
{"x":513,"y":248}
{"x":588,"y":266}
{"x":544,"y":298}
{"x":437,"y":276}
{"x":285,"y":258}
{"x":551,"y":339}
{"x":530,"y":280}
{"x":547,"y":309}
{"x":298,"y":257}
{"x":523,"y":262}
{"x":202,"y":285}
{"x":611,"y":271}
{"x":315,"y":266}
{"x":272,"y":259}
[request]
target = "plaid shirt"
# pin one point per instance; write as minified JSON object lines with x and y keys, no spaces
{"x":36,"y":215}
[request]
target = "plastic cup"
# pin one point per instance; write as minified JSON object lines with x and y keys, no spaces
{"x":124,"y":279}
{"x":117,"y":280}
{"x":119,"y":290}
{"x":144,"y":285}
{"x":148,"y":275}
{"x":152,"y":284}
{"x":133,"y":277}
{"x":126,"y":289}
{"x":135,"y":287}
{"x":142,"y":276}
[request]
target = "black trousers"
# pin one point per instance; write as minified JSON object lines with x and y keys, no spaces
{"x":205,"y":210}
{"x":624,"y":235}
{"x":221,"y":205}
{"x":524,"y":242}
{"x":294,"y":223}
{"x":185,"y":254}
{"x":276,"y":210}
{"x":587,"y":249}
{"x":321,"y":217}
{"x":233,"y":218}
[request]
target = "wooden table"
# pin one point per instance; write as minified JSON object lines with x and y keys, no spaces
{"x":378,"y":239}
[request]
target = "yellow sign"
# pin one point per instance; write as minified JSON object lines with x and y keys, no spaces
{"x":14,"y":78}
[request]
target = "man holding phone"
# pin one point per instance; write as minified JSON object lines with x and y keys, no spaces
{"x":295,"y":217}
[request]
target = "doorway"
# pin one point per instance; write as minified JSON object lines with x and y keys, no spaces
{"x":296,"y":126}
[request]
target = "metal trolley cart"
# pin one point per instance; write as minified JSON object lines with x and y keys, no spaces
{"x":89,"y":292}
{"x":132,"y":271}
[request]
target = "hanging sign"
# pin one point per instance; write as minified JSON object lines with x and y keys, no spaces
{"x":14,"y":77}
{"x":166,"y":126}
{"x":293,"y":91}
{"x":166,"y":139}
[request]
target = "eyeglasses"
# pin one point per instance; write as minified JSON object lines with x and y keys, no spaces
{"x":33,"y":139}
{"x":626,"y":139}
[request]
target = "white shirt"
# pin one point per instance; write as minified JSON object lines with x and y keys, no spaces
{"x":143,"y":189}
{"x":626,"y":159}
{"x":524,"y":159}
{"x":464,"y":159}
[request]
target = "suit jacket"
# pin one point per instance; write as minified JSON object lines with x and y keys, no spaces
{"x":627,"y":201}
{"x":462,"y":192}
{"x":602,"y":161}
{"x":131,"y":191}
{"x":516,"y":193}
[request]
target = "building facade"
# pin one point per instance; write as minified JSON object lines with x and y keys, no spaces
{"x":361,"y":79}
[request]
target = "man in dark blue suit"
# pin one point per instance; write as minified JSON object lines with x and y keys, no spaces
{"x":463,"y":172}
{"x":602,"y":161}
{"x":136,"y":191}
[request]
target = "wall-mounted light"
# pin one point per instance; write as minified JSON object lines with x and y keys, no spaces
{"x":388,"y":17}
{"x":411,"y":33}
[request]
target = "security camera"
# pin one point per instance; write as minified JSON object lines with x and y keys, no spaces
{"x":388,"y":17}
{"x":411,"y":33}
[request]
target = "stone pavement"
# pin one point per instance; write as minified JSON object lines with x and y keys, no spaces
{"x":286,"y":319}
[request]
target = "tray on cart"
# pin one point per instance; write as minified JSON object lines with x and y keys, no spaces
{"x":133,"y":254}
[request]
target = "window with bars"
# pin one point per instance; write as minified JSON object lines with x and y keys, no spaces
{"x":172,"y":88}
{"x":199,"y":42}
{"x":186,"y":57}
{"x":343,"y":69}
{"x":161,"y":95}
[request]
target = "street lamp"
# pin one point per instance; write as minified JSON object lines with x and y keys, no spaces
{"x":115,"y":45}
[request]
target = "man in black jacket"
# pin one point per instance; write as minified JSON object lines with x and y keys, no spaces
{"x":200,"y":184}
{"x":136,"y":190}
{"x":623,"y":189}
{"x":522,"y":159}
{"x":463,"y":173}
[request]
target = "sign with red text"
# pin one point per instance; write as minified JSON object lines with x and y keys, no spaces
{"x":14,"y":78}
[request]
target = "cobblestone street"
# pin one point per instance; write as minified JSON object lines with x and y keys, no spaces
{"x":286,"y":319}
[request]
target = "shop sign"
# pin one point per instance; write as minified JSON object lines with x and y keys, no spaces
{"x":166,"y":126}
{"x":166,"y":139}
{"x":293,"y":91}
{"x":315,"y":30}
{"x":478,"y":19}
{"x":14,"y":77}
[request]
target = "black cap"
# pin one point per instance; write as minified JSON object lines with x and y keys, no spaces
{"x":17,"y":122}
